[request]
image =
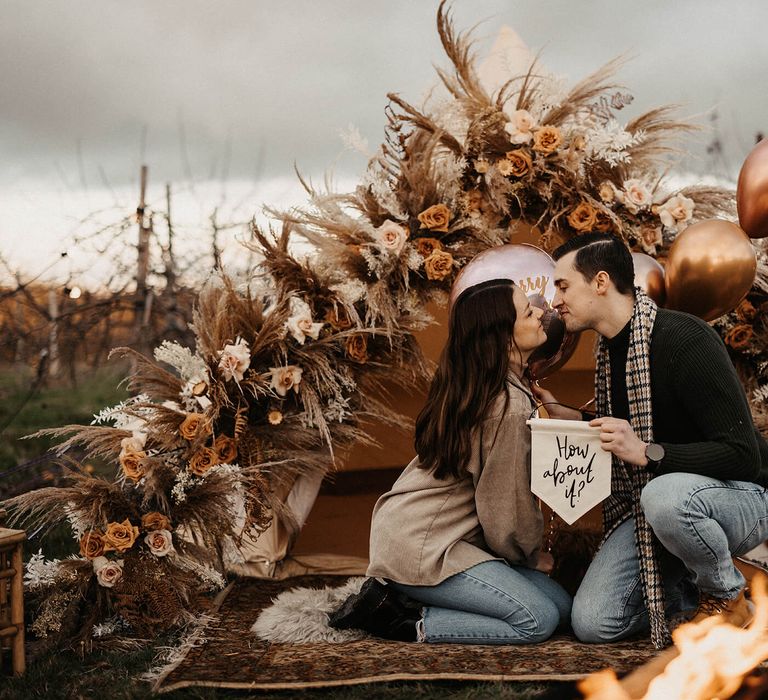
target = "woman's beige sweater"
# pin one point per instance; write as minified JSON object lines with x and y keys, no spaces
{"x":425,"y":530}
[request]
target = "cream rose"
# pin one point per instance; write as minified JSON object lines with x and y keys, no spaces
{"x":520,"y":127}
{"x":391,"y":236}
{"x":284,"y":379}
{"x":108,"y":573}
{"x":234,"y":360}
{"x":650,"y":237}
{"x":635,"y":195}
{"x":160,"y":543}
{"x":676,"y":212}
{"x":135,"y":443}
{"x":300,"y":324}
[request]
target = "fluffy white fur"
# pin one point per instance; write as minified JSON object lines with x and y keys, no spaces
{"x":300,"y":615}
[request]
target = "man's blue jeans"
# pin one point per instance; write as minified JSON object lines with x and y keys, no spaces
{"x":701,"y":523}
{"x":492,"y":603}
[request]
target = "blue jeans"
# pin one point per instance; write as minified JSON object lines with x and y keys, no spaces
{"x":701,"y":524}
{"x":492,"y":603}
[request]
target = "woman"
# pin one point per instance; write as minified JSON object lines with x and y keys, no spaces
{"x":460,"y":532}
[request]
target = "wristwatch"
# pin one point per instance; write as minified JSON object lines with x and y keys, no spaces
{"x":654,"y":453}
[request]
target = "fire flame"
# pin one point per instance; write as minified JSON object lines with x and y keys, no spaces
{"x":713,"y":659}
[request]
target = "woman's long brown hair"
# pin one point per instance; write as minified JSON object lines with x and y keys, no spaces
{"x":470,"y":375}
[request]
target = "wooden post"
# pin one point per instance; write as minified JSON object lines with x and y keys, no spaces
{"x":53,"y":333}
{"x":17,"y":611}
{"x":142,"y":268}
{"x":170,"y":261}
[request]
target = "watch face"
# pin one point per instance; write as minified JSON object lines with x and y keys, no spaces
{"x":654,"y":452}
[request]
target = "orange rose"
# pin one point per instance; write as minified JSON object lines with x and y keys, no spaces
{"x":435,"y":218}
{"x":583,"y":218}
{"x":439,"y":265}
{"x":92,"y":544}
{"x":202,"y":461}
{"x":739,"y":336}
{"x":520,"y":161}
{"x":194,"y":425}
{"x":226,"y":449}
{"x":132,"y":466}
{"x":356,"y":348}
{"x":155,"y":521}
{"x":121,"y":536}
{"x":746,"y":312}
{"x":338,"y":318}
{"x":426,"y":246}
{"x":546,"y":140}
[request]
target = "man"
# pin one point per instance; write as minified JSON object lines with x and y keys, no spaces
{"x":689,"y":467}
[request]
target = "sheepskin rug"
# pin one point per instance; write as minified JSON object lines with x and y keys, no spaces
{"x":300,"y":615}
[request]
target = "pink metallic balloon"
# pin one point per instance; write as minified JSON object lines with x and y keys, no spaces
{"x":752,"y":192}
{"x":649,"y":276}
{"x":531,"y":269}
{"x":710,"y":268}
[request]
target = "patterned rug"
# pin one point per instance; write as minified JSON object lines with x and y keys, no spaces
{"x":229,"y":656}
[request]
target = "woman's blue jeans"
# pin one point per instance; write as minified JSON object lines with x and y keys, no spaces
{"x":701,"y":524}
{"x":492,"y":603}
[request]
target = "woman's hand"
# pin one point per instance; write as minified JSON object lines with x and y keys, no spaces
{"x":545,"y":563}
{"x":551,"y":405}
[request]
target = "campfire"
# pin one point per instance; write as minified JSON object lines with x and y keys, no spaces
{"x":710,"y":659}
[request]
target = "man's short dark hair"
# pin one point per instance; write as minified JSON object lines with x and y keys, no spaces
{"x":601,"y":251}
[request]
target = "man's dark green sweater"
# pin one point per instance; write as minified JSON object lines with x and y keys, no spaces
{"x":700,"y":411}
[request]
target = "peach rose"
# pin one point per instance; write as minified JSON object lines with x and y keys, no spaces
{"x":676,"y":212}
{"x":300,"y":324}
{"x":391,"y":236}
{"x":275,"y":417}
{"x":226,"y":449}
{"x":132,"y":466}
{"x":583,"y":217}
{"x":474,"y":203}
{"x":195,"y":425}
{"x":92,"y":544}
{"x":160,"y":543}
{"x":520,"y":126}
{"x":521,"y":162}
{"x":202,"y":461}
{"x":546,"y":140}
{"x":284,"y":379}
{"x":234,"y":360}
{"x":635,"y":195}
{"x":155,"y":521}
{"x":650,"y":237}
{"x":436,"y":218}
{"x":338,"y":318}
{"x":108,"y":573}
{"x":135,"y":443}
{"x":439,"y":265}
{"x":739,"y":336}
{"x":121,"y":536}
{"x":356,"y":348}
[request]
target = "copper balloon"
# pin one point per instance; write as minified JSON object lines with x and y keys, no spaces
{"x":531,"y":269}
{"x":710,"y":268}
{"x":752,"y":192}
{"x":649,"y":276}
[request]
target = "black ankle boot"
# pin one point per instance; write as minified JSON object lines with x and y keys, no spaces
{"x":379,"y":610}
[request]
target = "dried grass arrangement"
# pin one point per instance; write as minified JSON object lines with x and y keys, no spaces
{"x":289,"y":363}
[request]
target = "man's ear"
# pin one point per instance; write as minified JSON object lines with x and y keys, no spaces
{"x":602,"y":281}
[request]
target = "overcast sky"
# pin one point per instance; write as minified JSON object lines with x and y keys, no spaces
{"x":242,"y":89}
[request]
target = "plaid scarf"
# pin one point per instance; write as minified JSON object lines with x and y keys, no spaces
{"x":628,"y":480}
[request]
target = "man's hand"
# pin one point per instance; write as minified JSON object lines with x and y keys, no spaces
{"x":551,"y":406}
{"x":545,"y":562}
{"x":618,"y":438}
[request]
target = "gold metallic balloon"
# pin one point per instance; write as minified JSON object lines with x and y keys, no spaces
{"x":710,"y":268}
{"x":752,"y":192}
{"x":649,"y":276}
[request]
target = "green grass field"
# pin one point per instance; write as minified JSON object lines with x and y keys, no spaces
{"x":115,"y":674}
